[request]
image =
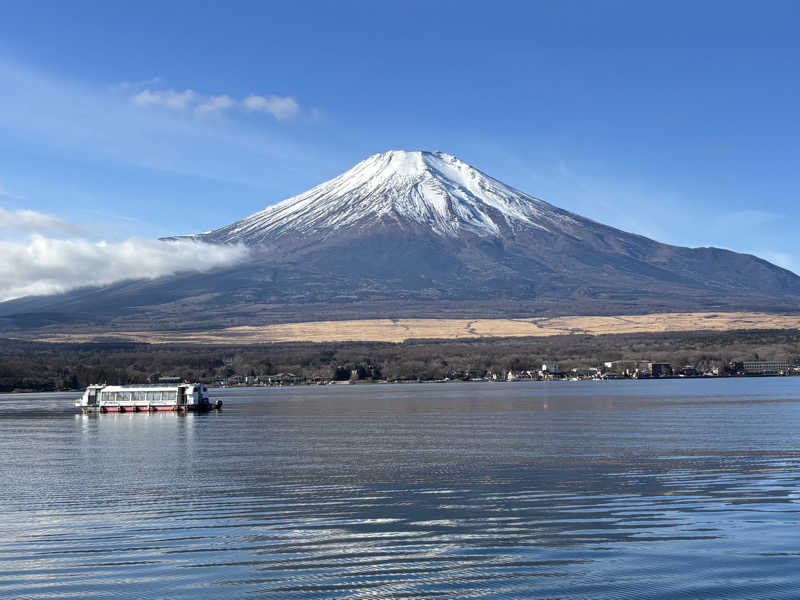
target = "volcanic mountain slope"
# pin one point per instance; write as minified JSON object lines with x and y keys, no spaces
{"x":406,"y":234}
{"x":431,"y":218}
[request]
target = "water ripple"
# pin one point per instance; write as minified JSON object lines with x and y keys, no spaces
{"x":673,"y":490}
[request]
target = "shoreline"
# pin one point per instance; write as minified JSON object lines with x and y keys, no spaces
{"x":443,"y":382}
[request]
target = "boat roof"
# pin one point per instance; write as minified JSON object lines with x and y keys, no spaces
{"x":145,"y":386}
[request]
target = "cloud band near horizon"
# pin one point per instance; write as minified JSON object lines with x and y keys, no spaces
{"x":64,"y":259}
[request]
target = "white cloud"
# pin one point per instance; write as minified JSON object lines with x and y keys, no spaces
{"x":109,"y":132}
{"x":166,"y":98}
{"x":30,"y":220}
{"x":214,"y":106}
{"x":279,"y":107}
{"x":44,"y":265}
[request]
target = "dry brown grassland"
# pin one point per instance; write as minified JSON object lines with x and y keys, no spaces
{"x":398,"y":330}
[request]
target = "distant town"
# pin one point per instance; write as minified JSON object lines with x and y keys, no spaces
{"x":610,"y":370}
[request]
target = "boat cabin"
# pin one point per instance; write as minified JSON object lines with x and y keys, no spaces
{"x":119,"y":398}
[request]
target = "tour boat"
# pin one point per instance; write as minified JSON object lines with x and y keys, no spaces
{"x":179,"y":397}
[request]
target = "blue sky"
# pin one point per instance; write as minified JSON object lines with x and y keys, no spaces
{"x":676,"y":120}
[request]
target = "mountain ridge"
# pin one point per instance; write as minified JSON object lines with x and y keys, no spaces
{"x":412,"y":234}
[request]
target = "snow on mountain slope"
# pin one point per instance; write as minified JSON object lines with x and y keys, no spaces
{"x":399,"y":188}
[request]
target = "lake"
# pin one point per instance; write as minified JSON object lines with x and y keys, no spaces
{"x":626,"y":489}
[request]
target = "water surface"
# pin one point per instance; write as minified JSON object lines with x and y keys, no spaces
{"x":649,"y":489}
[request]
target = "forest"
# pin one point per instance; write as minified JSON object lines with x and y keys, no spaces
{"x":37,"y":366}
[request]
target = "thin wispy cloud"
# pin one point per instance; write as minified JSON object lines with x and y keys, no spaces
{"x":279,"y":107}
{"x":32,"y":221}
{"x":166,"y":98}
{"x":43,"y":266}
{"x":108,"y":132}
{"x":214,"y":106}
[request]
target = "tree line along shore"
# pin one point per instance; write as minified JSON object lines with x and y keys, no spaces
{"x":37,"y":366}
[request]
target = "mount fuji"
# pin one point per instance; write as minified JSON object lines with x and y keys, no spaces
{"x":421,"y":234}
{"x":400,"y":191}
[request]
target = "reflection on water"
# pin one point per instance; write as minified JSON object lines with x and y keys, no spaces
{"x":675,"y":489}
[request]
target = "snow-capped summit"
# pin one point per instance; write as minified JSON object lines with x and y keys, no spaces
{"x":400,"y":189}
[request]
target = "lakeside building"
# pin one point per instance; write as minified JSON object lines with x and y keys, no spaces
{"x":617,"y":369}
{"x":765,"y":367}
{"x":660,"y":369}
{"x":278,"y":379}
{"x":550,"y":371}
